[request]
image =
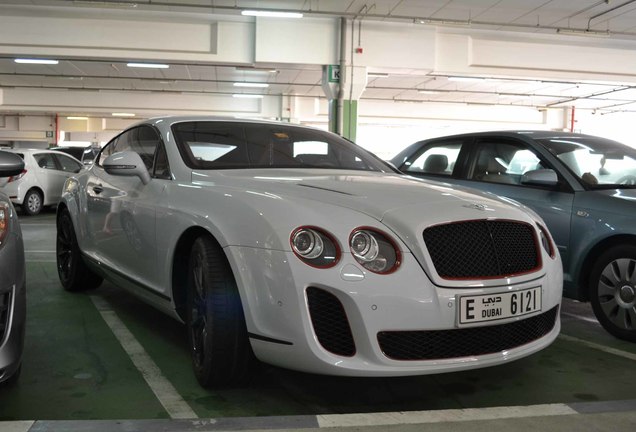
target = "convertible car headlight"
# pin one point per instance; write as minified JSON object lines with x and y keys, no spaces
{"x":315,"y":247}
{"x":374,"y":250}
{"x":546,"y":242}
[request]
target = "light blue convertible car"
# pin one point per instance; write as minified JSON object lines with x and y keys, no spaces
{"x":584,"y":187}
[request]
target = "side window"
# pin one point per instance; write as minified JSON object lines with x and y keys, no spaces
{"x":108,"y":150}
{"x":503,"y":162}
{"x":68,"y":164}
{"x":45,"y":160}
{"x":145,"y":143}
{"x":436,"y":158}
{"x":162,"y":167}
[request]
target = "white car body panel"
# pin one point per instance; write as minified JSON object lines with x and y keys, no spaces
{"x":252,"y":213}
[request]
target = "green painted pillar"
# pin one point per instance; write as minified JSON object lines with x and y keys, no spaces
{"x":350,"y":119}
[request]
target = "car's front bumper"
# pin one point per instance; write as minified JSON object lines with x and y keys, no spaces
{"x":287,"y":330}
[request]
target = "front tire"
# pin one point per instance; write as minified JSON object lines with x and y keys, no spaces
{"x":217,"y":335}
{"x":74,"y":274}
{"x":32,"y":203}
{"x":613,"y":291}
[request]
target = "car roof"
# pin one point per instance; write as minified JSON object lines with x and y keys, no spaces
{"x":535,"y":134}
{"x":244,"y":120}
{"x":34,"y":150}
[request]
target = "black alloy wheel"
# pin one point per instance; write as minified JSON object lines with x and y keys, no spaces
{"x":217,"y":335}
{"x":71,"y":269}
{"x":613,"y":291}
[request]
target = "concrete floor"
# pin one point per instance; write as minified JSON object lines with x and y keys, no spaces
{"x":77,"y":376}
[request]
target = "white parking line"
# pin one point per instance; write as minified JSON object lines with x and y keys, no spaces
{"x":168,"y":396}
{"x":439,"y":416}
{"x":16,"y":426}
{"x":609,"y":350}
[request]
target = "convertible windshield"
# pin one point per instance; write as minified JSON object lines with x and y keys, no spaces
{"x":233,"y":145}
{"x":598,"y":162}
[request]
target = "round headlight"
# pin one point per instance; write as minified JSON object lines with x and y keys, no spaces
{"x":364,"y":246}
{"x":307,"y":243}
{"x":315,"y":247}
{"x":374,"y":250}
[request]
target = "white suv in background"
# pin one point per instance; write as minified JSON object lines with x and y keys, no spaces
{"x":40,"y":183}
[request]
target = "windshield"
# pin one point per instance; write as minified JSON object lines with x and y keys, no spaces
{"x":598,"y":162}
{"x":234,"y":145}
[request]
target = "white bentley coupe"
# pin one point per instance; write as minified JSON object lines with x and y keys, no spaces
{"x":295,"y":247}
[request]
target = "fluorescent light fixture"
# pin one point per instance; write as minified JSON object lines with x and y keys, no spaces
{"x":271,"y":14}
{"x":428,"y":92}
{"x":122,"y":114}
{"x":255,"y":69}
{"x":247,"y":96}
{"x":76,"y":118}
{"x":466,"y":79}
{"x":377,"y":74}
{"x":148,"y":65}
{"x":35,"y":61}
{"x":254,"y":85}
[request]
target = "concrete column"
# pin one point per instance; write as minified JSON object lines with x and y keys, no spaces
{"x":350,"y":87}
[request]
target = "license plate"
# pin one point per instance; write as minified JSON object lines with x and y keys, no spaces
{"x":492,"y":307}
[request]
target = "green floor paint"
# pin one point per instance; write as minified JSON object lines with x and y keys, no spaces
{"x":74,"y":368}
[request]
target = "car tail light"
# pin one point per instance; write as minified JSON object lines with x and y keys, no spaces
{"x":315,"y":247}
{"x":17,"y":177}
{"x":374,"y":250}
{"x":4,"y":221}
{"x":546,"y":241}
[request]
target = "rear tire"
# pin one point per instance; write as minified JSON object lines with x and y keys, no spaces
{"x":613,"y":291}
{"x":217,"y":335}
{"x":73,"y":272}
{"x":32,"y":203}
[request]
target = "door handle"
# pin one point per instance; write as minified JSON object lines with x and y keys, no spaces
{"x":98,"y":189}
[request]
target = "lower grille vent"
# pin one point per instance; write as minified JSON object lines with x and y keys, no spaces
{"x":446,"y":344}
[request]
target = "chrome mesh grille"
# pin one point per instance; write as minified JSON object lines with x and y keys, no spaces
{"x":482,"y":249}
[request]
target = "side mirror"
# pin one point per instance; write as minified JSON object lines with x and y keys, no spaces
{"x":127,"y":163}
{"x":540,"y":177}
{"x":10,"y":164}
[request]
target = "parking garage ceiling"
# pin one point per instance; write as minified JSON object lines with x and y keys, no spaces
{"x":613,"y":19}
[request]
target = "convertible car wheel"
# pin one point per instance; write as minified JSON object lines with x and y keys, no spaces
{"x":73,"y":272}
{"x":221,"y":353}
{"x":613,"y":291}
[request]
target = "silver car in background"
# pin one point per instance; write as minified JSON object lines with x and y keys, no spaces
{"x":12,"y":279}
{"x":40,"y":183}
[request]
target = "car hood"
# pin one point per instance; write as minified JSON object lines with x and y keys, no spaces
{"x":389,"y":198}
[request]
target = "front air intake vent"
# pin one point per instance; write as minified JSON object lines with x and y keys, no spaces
{"x":330,"y":322}
{"x":482,"y":249}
